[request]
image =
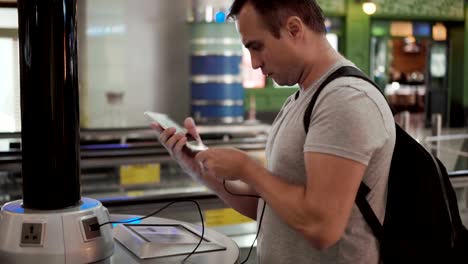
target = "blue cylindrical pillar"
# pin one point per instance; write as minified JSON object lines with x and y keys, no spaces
{"x":216,"y":84}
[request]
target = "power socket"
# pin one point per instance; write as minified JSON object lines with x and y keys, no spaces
{"x":31,"y":234}
{"x":89,"y":228}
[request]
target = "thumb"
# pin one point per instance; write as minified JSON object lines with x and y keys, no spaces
{"x":200,"y":157}
{"x":189,"y":124}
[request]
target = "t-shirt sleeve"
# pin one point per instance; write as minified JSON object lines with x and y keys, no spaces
{"x":346,"y":122}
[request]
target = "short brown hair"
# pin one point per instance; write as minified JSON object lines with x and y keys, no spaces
{"x":275,"y":13}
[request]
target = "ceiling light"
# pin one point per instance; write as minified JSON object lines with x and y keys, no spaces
{"x":369,"y":7}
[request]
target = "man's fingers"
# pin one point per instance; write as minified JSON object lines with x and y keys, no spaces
{"x":180,"y":144}
{"x":156,"y":126}
{"x":166,"y":134}
{"x":172,"y":141}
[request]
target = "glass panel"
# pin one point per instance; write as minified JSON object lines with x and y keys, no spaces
{"x":10,"y":119}
{"x":132,"y":58}
{"x":8,"y":18}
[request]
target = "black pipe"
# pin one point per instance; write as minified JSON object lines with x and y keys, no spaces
{"x":49,"y":104}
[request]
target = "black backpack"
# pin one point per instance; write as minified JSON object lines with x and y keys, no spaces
{"x":422,"y":223}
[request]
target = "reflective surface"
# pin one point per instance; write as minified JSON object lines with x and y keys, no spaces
{"x":49,"y":104}
{"x":230,"y":255}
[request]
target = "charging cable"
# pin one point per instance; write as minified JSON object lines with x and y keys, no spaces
{"x":156,"y":212}
{"x":259,"y":223}
{"x":97,"y":226}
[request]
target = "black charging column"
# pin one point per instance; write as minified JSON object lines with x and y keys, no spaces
{"x":49,"y":104}
{"x":52,"y":223}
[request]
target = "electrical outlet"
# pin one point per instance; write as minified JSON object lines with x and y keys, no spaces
{"x":89,"y":231}
{"x":31,"y":234}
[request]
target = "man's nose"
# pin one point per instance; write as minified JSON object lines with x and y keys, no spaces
{"x":256,"y":63}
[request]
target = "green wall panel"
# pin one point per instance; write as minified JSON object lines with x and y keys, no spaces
{"x":456,"y":76}
{"x":267,"y":99}
{"x":443,"y":9}
{"x":337,"y":7}
{"x":357,"y":37}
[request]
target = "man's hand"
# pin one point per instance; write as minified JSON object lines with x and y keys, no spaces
{"x":227,"y":163}
{"x":174,"y":143}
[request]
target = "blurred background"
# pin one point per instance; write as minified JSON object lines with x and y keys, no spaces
{"x":183,"y":58}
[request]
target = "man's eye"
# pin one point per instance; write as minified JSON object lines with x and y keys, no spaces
{"x":257,"y":47}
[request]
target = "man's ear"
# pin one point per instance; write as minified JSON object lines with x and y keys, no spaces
{"x":295,"y":27}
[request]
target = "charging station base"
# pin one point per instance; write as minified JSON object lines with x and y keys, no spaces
{"x":164,"y":240}
{"x":55,"y":236}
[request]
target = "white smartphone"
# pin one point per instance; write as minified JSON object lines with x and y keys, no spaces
{"x":165,"y":122}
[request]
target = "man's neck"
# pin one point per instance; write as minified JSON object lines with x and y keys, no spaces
{"x":318,"y":67}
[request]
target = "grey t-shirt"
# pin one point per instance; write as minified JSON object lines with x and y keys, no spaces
{"x":351,"y":119}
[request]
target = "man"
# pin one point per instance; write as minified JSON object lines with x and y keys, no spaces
{"x":311,"y":180}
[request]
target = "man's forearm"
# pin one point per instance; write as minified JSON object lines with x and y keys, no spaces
{"x":244,"y":205}
{"x":288,"y":201}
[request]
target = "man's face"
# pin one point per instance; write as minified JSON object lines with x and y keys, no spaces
{"x":275,"y":57}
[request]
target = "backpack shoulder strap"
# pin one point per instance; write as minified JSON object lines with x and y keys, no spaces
{"x":345,"y":71}
{"x":361,"y":202}
{"x":367,"y":212}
